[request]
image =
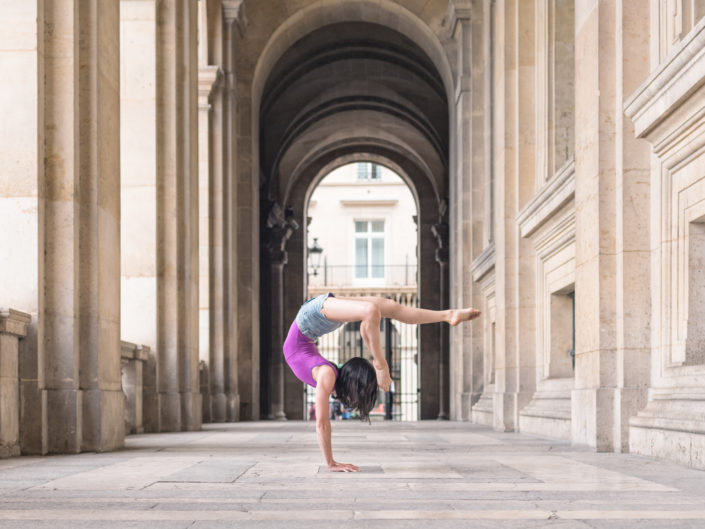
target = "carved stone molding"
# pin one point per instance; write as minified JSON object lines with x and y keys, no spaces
{"x":554,"y":195}
{"x":484,"y":263}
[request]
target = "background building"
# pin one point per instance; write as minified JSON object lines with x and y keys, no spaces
{"x":363,"y":216}
{"x":158,"y":158}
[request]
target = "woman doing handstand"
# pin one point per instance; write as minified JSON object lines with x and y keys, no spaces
{"x":355,"y":384}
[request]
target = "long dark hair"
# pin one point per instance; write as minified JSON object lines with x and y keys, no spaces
{"x":356,"y":386}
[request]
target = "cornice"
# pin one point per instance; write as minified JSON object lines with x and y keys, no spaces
{"x":675,"y":80}
{"x":458,"y":11}
{"x":484,"y":262}
{"x":209,"y":79}
{"x":554,"y":195}
{"x":14,"y":322}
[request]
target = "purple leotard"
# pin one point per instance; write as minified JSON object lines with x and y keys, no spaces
{"x":302,"y":356}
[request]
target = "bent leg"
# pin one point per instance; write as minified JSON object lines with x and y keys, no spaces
{"x":369,"y":316}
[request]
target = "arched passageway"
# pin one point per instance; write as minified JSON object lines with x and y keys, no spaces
{"x":344,"y":92}
{"x":362,"y":240}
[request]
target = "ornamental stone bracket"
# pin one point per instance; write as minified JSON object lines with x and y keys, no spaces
{"x":441,"y":232}
{"x":133,"y":358}
{"x":13,"y":327}
{"x":280,"y":227}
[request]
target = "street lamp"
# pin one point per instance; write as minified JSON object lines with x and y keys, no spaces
{"x":314,"y":256}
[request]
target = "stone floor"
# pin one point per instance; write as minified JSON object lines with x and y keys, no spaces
{"x":268,"y":474}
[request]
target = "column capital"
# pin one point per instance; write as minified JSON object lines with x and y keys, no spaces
{"x":209,"y":79}
{"x":14,"y":322}
{"x":234,"y":11}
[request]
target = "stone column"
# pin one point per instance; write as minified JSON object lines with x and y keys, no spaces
{"x":280,"y":227}
{"x":99,"y":229}
{"x":232,"y":28}
{"x":13,"y":327}
{"x":460,"y":180}
{"x":177,"y":216}
{"x":211,"y":243}
{"x":244,"y":239}
{"x":597,"y":115}
{"x":77,"y":402}
{"x":138,"y":114}
{"x":505,"y":227}
{"x":230,"y":287}
{"x":278,"y":260}
{"x":440,"y":232}
{"x":634,"y":308}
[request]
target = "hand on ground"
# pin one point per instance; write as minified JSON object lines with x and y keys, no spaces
{"x":343,"y":467}
{"x":384,"y":380}
{"x":460,"y":315}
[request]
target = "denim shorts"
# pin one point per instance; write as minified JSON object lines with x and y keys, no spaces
{"x":311,"y":321}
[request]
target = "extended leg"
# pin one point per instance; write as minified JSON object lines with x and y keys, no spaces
{"x":391,"y":309}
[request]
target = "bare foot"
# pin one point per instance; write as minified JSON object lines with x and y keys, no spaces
{"x":460,"y":315}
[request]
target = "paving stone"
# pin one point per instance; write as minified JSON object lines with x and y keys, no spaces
{"x":267,"y":475}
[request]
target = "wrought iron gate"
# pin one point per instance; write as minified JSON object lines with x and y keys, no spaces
{"x":400,"y":344}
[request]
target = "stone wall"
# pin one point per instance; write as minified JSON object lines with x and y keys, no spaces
{"x":572,"y":120}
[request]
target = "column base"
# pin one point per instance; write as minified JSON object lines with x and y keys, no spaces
{"x":483,"y":410}
{"x":218,"y":407}
{"x":232,"y":407}
{"x":592,"y":418}
{"x":506,"y":409}
{"x":63,"y":420}
{"x":103,"y":420}
{"x":150,"y":412}
{"x":191,"y":406}
{"x":33,"y":423}
{"x":169,"y":407}
{"x":467,"y":401}
{"x":672,"y":427}
{"x":549,"y":412}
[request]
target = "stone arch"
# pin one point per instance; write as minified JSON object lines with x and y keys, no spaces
{"x":407,"y":166}
{"x":323,"y":12}
{"x":305,"y":127}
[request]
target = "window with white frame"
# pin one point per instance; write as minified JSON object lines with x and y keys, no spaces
{"x":369,"y":249}
{"x":368,"y":171}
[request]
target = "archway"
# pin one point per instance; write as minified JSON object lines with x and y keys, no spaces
{"x":347,"y":91}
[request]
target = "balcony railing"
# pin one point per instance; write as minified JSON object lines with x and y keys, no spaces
{"x":337,"y":276}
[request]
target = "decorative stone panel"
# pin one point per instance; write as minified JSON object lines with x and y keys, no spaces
{"x":548,"y":220}
{"x":667,"y":110}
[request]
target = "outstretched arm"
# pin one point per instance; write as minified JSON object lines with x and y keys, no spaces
{"x":324,"y":387}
